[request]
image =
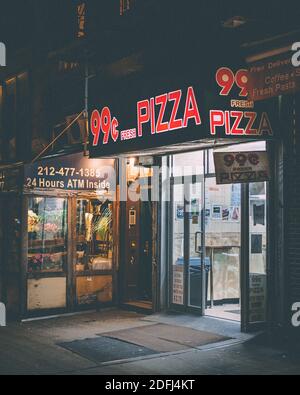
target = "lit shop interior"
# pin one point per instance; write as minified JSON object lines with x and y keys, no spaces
{"x":196,"y":221}
{"x":207,"y":222}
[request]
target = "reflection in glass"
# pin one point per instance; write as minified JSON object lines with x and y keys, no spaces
{"x":195,"y":244}
{"x":94,"y":235}
{"x":178,"y":245}
{"x":188,"y":164}
{"x":47,"y":234}
{"x":223,"y":244}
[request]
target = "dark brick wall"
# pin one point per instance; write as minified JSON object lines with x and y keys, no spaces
{"x":291,"y":138}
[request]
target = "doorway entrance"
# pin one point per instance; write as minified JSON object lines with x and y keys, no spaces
{"x":223,"y":247}
{"x":218,"y":241}
{"x":187,"y":252}
{"x":137,"y":277}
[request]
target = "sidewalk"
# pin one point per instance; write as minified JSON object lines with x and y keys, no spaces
{"x":35,"y":348}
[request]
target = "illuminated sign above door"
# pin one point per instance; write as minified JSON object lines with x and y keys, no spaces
{"x":70,"y":172}
{"x":179,"y":115}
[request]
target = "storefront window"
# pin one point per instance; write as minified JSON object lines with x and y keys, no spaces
{"x":188,"y":164}
{"x":47,"y":234}
{"x":178,"y":245}
{"x":94,"y":235}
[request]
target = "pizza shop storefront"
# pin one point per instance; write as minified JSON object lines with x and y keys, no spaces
{"x":198,"y":172}
{"x":180,"y":218}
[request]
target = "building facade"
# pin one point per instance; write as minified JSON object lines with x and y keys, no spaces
{"x":171,"y":82}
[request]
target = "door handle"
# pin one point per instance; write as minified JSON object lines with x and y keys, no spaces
{"x":198,"y":250}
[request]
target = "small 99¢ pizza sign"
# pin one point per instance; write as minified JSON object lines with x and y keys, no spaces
{"x":241,"y":167}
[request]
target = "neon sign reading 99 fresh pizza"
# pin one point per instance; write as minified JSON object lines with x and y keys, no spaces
{"x":179,"y":110}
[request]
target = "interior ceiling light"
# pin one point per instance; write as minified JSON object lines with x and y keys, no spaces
{"x":234,"y":22}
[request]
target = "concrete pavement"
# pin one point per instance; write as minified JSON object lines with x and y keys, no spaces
{"x":31,"y":348}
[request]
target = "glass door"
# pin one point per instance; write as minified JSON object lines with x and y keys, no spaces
{"x":195,"y":259}
{"x":188,"y":285}
{"x":93,"y":257}
{"x":47,"y":254}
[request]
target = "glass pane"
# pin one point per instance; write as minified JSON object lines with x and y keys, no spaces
{"x":226,"y":274}
{"x":47,"y":234}
{"x":258,"y":253}
{"x":188,"y":164}
{"x":195,"y":244}
{"x":178,"y":245}
{"x":223,"y":243}
{"x":94,"y":235}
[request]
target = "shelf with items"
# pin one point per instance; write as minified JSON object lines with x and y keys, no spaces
{"x":43,"y":262}
{"x":92,"y":262}
{"x":46,"y":244}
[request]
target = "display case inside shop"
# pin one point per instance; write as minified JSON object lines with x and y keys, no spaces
{"x":94,"y":235}
{"x":47,"y":234}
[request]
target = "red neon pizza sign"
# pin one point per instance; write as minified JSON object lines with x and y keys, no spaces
{"x":151,"y":112}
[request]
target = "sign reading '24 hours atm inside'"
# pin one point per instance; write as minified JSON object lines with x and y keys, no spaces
{"x":180,"y":115}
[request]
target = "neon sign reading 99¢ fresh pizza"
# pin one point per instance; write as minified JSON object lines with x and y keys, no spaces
{"x":150,"y":112}
{"x":185,"y":111}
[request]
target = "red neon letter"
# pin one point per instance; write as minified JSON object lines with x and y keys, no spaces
{"x":225,"y":79}
{"x":176,"y":97}
{"x":227,"y":123}
{"x":242,"y":80}
{"x":216,"y":120}
{"x":191,"y":108}
{"x":252,"y":118}
{"x":95,"y":126}
{"x":152,"y":112}
{"x":238,"y":115}
{"x":265,"y":125}
{"x":142,"y":116}
{"x":162,"y":102}
{"x":114,"y":130}
{"x":106,"y":123}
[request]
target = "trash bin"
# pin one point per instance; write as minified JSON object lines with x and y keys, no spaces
{"x":195,"y":272}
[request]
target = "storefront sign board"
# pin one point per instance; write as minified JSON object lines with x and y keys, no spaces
{"x":181,"y":112}
{"x":241,"y":167}
{"x":257,"y":298}
{"x":71,"y":172}
{"x":273,"y":77}
{"x":178,"y":284}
